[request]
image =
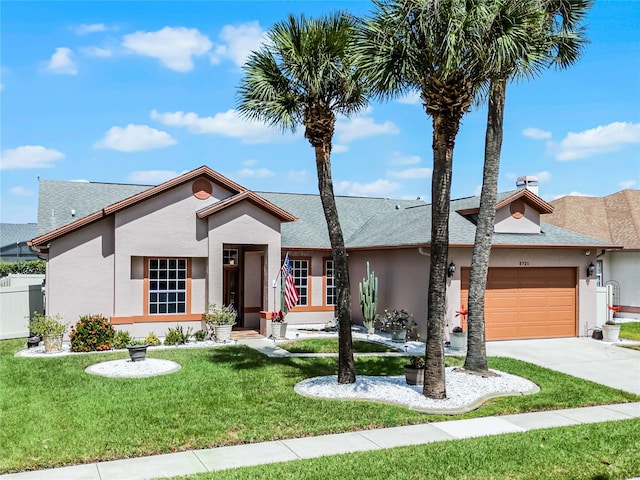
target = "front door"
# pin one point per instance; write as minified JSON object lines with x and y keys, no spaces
{"x":231,"y":292}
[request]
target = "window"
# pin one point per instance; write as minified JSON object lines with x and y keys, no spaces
{"x":599,"y":280}
{"x":330,"y":283}
{"x":301,"y":277}
{"x":229,"y":257}
{"x":167,"y":286}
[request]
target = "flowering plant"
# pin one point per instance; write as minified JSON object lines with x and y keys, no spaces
{"x":416,"y":362}
{"x":47,"y":325}
{"x":277,"y":317}
{"x":92,"y":333}
{"x":219,"y":314}
{"x":615,"y":309}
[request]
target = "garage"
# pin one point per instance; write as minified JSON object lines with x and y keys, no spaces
{"x":527,"y":302}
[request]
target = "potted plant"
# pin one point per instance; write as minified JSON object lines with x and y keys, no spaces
{"x":414,"y":371}
{"x":397,"y":323}
{"x":278,"y":325}
{"x":458,"y":337}
{"x":137,"y":350}
{"x":611,"y":330}
{"x":50,"y":328}
{"x":220,"y":319}
{"x":368,"y":293}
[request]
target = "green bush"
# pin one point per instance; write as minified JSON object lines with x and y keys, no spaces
{"x":47,"y":325}
{"x":121,"y":339}
{"x":200,"y":335}
{"x":152,"y":340}
{"x":177,"y":336}
{"x":92,"y":333}
{"x":30,"y":267}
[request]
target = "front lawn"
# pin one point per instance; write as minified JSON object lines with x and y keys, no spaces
{"x":582,"y":452}
{"x":330,"y":345}
{"x":54,"y":414}
{"x":630,"y":330}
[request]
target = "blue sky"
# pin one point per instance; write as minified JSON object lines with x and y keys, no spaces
{"x":139,"y":92}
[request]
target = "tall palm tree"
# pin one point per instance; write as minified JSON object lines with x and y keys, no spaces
{"x":303,"y":75}
{"x":555,"y":37}
{"x":439,"y":48}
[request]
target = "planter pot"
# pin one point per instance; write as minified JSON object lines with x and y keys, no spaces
{"x":52,"y":343}
{"x":610,"y":333}
{"x":414,"y":376}
{"x":223,"y":333}
{"x":398,"y":335}
{"x":279,"y":329}
{"x":458,"y":340}
{"x":137,"y":353}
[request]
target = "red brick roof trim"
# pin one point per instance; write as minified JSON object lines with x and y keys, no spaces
{"x":530,"y":198}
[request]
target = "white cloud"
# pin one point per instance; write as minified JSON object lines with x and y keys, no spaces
{"x":398,"y":159}
{"x":134,"y":138}
{"x":249,"y":163}
{"x":411,"y":98}
{"x":174,"y":47}
{"x":255,"y":172}
{"x":152,"y":177}
{"x":21,"y":192}
{"x":409,"y":173}
{"x":228,"y":123}
{"x":379,"y":188}
{"x":363,"y":127}
{"x":296,"y":176}
{"x":627,"y":184}
{"x":536,"y":134}
{"x":62,"y":62}
{"x":602,"y":139}
{"x":338,"y":148}
{"x":29,"y":156}
{"x":239,"y":42}
{"x":96,"y":52}
{"x":550,"y":198}
{"x":543,"y":176}
{"x":90,"y":28}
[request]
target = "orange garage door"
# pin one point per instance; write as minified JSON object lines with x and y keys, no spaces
{"x":527,"y":302}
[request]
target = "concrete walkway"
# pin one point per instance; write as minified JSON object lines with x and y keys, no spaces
{"x":199,"y":461}
{"x":585,"y":358}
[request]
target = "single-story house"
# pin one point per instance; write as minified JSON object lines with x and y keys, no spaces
{"x":13,"y":241}
{"x":149,"y":257}
{"x":614,"y":219}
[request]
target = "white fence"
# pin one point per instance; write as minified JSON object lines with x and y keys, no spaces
{"x":20,"y":296}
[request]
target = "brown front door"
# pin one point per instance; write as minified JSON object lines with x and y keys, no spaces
{"x":231,"y":290}
{"x":527,"y":302}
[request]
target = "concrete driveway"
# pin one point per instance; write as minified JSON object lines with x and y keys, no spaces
{"x":585,"y":358}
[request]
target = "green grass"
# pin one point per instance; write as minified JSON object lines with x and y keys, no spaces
{"x":54,"y":414}
{"x":602,"y":451}
{"x":630,"y":330}
{"x":330,"y":345}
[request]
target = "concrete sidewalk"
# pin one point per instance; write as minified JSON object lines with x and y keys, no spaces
{"x":199,"y":461}
{"x":594,"y":360}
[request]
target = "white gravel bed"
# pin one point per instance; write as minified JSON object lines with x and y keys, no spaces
{"x":465,"y":392}
{"x":128,"y":369}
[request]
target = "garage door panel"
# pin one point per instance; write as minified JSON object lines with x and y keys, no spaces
{"x":528,"y":302}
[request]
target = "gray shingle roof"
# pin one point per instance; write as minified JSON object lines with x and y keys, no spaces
{"x":12,"y":233}
{"x":366,"y":222}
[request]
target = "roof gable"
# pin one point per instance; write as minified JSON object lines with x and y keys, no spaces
{"x":252,"y":198}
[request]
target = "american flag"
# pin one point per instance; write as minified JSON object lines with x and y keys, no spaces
{"x":291,"y":296}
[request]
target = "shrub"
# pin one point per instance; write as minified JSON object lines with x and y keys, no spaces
{"x":47,"y":325}
{"x":92,"y":333}
{"x":200,"y":335}
{"x":121,"y":339}
{"x":152,"y":340}
{"x":29,"y":267}
{"x":219,"y":314}
{"x":177,"y":336}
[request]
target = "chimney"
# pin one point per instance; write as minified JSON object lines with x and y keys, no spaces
{"x":529,"y":182}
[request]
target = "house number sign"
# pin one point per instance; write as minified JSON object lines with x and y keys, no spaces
{"x":524,"y":264}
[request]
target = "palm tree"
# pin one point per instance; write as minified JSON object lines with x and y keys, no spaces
{"x":555,"y":37}
{"x":439,"y":48}
{"x":303,"y":75}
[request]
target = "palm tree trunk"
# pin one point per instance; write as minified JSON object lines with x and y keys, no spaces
{"x":444,"y":131}
{"x":346,"y":365}
{"x":476,"y":343}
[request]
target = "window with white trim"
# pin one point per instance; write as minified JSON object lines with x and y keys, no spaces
{"x":301,"y":277}
{"x":599,"y":282}
{"x":167,"y":286}
{"x":330,"y":283}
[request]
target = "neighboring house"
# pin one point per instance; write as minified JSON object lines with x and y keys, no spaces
{"x":613,"y":219}
{"x":148,"y":257}
{"x":13,"y":241}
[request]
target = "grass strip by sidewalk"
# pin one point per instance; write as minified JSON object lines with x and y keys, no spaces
{"x":609,"y":450}
{"x":54,"y":414}
{"x":630,"y":330}
{"x":330,"y":345}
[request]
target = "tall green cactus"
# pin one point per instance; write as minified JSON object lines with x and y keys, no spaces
{"x":368,"y":292}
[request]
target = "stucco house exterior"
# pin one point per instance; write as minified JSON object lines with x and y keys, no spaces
{"x":614,"y":219}
{"x":149,"y":257}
